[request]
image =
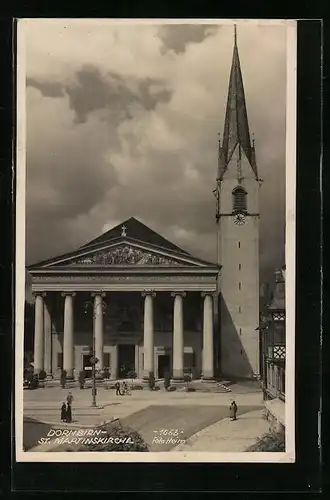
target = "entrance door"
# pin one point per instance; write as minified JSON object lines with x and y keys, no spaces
{"x":87,"y":365}
{"x":126,"y":359}
{"x":163,"y":365}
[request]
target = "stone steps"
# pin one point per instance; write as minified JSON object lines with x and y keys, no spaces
{"x":137,"y":384}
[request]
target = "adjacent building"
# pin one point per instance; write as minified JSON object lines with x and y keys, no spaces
{"x":274,"y":341}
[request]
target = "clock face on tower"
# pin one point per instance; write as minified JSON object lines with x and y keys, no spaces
{"x":239,"y":219}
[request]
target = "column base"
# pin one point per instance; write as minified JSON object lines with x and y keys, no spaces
{"x":177,"y":380}
{"x":69,"y":375}
{"x":177,"y":375}
{"x":208,"y":379}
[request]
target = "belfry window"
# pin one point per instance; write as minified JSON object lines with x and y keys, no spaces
{"x":239,"y":199}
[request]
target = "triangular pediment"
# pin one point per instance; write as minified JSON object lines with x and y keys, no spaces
{"x":122,"y":254}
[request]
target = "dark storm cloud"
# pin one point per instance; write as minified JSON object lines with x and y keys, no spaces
{"x":177,"y":37}
{"x":93,"y":91}
{"x":48,"y":89}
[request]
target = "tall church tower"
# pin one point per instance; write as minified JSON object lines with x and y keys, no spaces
{"x":237,"y":217}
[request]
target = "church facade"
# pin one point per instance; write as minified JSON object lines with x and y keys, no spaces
{"x":144,"y":305}
{"x":151,"y":307}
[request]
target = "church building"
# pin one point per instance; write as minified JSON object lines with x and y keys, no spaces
{"x":145,"y":305}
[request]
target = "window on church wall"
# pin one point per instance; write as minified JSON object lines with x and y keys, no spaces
{"x":239,"y":197}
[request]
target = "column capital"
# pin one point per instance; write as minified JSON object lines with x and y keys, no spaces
{"x":150,"y":292}
{"x":178,"y":292}
{"x":39,"y":294}
{"x":208,"y":294}
{"x":64,"y":294}
{"x":99,"y":293}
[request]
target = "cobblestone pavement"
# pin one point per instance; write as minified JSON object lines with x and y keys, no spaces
{"x":228,"y":436}
{"x":163,"y":427}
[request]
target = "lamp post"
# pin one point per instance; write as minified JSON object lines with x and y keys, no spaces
{"x":94,"y":360}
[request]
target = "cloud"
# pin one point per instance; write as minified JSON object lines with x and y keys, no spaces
{"x":177,"y":37}
{"x":123,"y":120}
{"x":93,"y":91}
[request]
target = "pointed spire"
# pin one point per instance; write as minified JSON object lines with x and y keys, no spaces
{"x":236,"y":128}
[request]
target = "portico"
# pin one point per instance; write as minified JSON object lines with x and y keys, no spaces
{"x":159,"y":316}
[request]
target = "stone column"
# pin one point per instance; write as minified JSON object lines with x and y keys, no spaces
{"x":47,"y":339}
{"x":178,"y":340}
{"x":39,"y":332}
{"x":68,"y":333}
{"x":98,"y":327}
{"x":148,"y":333}
{"x":207,"y":361}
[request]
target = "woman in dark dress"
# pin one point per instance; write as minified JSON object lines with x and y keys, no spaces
{"x":68,"y":413}
{"x":63,"y":412}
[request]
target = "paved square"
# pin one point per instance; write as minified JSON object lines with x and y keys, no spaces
{"x":165,"y":420}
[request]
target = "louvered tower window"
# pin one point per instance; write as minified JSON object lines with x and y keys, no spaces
{"x":239,"y":199}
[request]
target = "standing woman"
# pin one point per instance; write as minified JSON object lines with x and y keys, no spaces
{"x":233,"y":410}
{"x":63,"y":412}
{"x":69,"y":413}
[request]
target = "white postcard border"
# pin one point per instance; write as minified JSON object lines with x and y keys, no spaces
{"x":20,"y":273}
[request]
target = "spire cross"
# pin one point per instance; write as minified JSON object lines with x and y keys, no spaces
{"x":123,"y":230}
{"x":235,"y":34}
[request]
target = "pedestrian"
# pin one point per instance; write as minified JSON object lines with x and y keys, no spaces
{"x":233,"y":410}
{"x":63,"y":412}
{"x":117,"y":387}
{"x":68,"y":413}
{"x":125,"y":388}
{"x":69,"y":398}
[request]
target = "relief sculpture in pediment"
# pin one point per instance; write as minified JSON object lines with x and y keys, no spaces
{"x":124,"y":255}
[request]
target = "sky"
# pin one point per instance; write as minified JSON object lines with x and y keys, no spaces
{"x":123,"y":119}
